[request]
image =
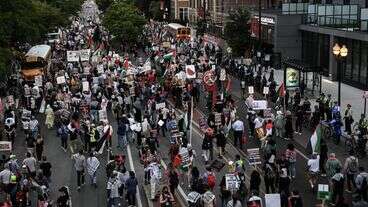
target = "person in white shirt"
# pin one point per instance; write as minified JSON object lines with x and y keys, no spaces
{"x":30,"y":162}
{"x":238,"y":127}
{"x":113,"y":186}
{"x":92,"y":165}
{"x":313,"y":170}
{"x":5,"y":175}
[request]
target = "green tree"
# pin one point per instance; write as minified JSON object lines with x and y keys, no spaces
{"x":237,"y":31}
{"x":155,"y":11}
{"x":67,"y":7}
{"x":201,"y":27}
{"x":124,"y":22}
{"x":103,"y":5}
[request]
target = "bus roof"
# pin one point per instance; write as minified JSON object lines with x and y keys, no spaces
{"x":175,"y":26}
{"x":39,"y":51}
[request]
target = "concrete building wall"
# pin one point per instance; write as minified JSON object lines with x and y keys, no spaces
{"x":287,"y":36}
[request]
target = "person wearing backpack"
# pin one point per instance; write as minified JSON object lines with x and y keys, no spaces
{"x":337,"y":183}
{"x":351,"y":169}
{"x":269,"y":177}
{"x":361,"y":183}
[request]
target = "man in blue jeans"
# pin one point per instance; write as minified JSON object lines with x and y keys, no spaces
{"x":122,"y":132}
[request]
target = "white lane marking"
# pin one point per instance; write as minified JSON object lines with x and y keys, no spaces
{"x":132,"y":169}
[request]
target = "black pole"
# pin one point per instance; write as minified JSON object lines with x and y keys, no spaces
{"x":365,"y":106}
{"x":259,"y":23}
{"x":204,"y":16}
{"x":339,"y":80}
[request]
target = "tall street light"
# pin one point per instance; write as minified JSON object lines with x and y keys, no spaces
{"x":340,"y":53}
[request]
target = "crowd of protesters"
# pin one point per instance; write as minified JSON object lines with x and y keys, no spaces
{"x":81,"y":99}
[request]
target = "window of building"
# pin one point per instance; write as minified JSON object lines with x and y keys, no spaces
{"x":363,"y":63}
{"x":356,"y":60}
{"x":183,"y":14}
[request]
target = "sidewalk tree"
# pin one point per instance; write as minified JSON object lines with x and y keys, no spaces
{"x":103,"y":5}
{"x":155,"y":11}
{"x":237,"y":30}
{"x":124,"y":22}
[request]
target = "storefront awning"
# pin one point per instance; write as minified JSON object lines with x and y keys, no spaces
{"x":300,"y":65}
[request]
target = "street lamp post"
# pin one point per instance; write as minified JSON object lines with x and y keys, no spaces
{"x":340,"y":53}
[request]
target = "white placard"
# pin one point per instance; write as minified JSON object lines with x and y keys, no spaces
{"x":160,"y":123}
{"x":232,"y":182}
{"x":222,"y":75}
{"x":38,"y":80}
{"x":160,"y":105}
{"x":60,"y":80}
{"x":251,"y":89}
{"x":273,"y":200}
{"x":85,"y":86}
{"x":254,"y":157}
{"x":267,"y":57}
{"x":5,"y":146}
{"x":73,"y":56}
{"x":266,"y":90}
{"x":100,"y":68}
{"x":259,"y":105}
{"x":190,"y":71}
{"x":213,"y":67}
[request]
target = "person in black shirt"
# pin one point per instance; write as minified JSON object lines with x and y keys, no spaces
{"x":45,"y":166}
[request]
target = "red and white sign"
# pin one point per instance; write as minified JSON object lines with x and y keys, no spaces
{"x":190,"y":71}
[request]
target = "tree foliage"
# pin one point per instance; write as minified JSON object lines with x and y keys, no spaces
{"x":27,"y":21}
{"x":237,"y":30}
{"x":103,"y":5}
{"x":155,"y":11}
{"x":124,"y":22}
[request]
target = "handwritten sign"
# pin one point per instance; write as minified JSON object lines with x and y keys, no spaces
{"x":60,"y":80}
{"x":254,"y":156}
{"x":251,"y":89}
{"x":38,"y":80}
{"x":5,"y":146}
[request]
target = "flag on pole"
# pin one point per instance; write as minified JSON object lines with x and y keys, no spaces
{"x":168,"y":56}
{"x":315,"y":140}
{"x":281,"y":91}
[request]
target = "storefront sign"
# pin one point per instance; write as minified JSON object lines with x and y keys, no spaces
{"x":292,"y":77}
{"x":266,"y":20}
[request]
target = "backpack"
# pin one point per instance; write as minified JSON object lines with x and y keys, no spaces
{"x":364,"y":183}
{"x":211,"y":180}
{"x":353,"y":165}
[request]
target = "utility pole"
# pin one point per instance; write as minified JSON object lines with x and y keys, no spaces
{"x":259,"y":23}
{"x":204,"y":15}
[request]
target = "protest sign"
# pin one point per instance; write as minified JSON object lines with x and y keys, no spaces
{"x":60,"y":80}
{"x":193,"y":197}
{"x":100,"y":68}
{"x":273,"y":200}
{"x":166,"y":44}
{"x":254,"y":156}
{"x":74,"y":56}
{"x":222,"y":75}
{"x":190,"y":71}
{"x":217,"y":119}
{"x":184,"y":153}
{"x":266,"y":90}
{"x":85,"y":86}
{"x":251,"y":89}
{"x":160,"y":105}
{"x":259,"y":105}
{"x":38,"y":80}
{"x":323,"y":192}
{"x":102,"y":114}
{"x":232,"y":182}
{"x":5,"y":146}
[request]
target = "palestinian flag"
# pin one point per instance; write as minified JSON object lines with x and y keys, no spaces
{"x":315,"y":140}
{"x":168,"y":56}
{"x":281,"y":91}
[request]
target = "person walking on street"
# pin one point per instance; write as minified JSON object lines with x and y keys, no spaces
{"x":289,"y":126}
{"x":291,"y":157}
{"x":351,"y":166}
{"x":313,"y":170}
{"x":113,"y":185}
{"x":279,"y":124}
{"x":323,"y":157}
{"x":361,"y":182}
{"x":332,"y":165}
{"x":46,"y":166}
{"x":92,"y":165}
{"x":269,"y":177}
{"x":131,"y":186}
{"x":255,"y":181}
{"x":238,"y":127}
{"x":337,"y":183}
{"x":348,"y":117}
{"x":207,"y":145}
{"x":31,"y":163}
{"x":79,"y":165}
{"x":39,"y":147}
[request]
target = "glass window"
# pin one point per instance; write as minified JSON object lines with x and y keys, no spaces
{"x":363,"y":66}
{"x":348,"y":62}
{"x":356,"y":60}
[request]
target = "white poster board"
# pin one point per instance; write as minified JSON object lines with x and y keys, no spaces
{"x":251,"y":89}
{"x":85,"y":86}
{"x":60,"y":80}
{"x":273,"y":200}
{"x":38,"y":80}
{"x":85,"y":54}
{"x":254,"y":156}
{"x":232,"y":182}
{"x":259,"y":105}
{"x":73,"y":56}
{"x":160,"y":105}
{"x":190,"y":71}
{"x":222,"y":75}
{"x":100,"y":68}
{"x":5,"y":146}
{"x":266,"y":90}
